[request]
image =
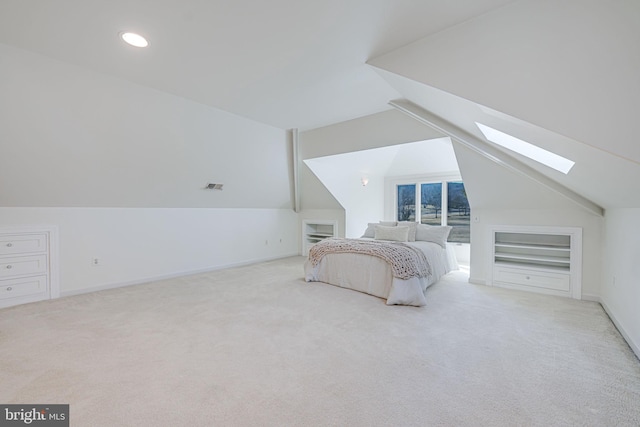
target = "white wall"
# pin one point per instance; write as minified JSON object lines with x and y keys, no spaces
{"x":137,"y":245}
{"x":374,"y":131}
{"x":78,"y":138}
{"x":621,"y":278}
{"x":120,"y":169}
{"x":342,"y":176}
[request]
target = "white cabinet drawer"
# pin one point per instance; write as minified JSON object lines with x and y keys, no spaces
{"x":534,"y":278}
{"x":28,"y":264}
{"x":13,"y":288}
{"x":23,"y":265}
{"x":11,"y":244}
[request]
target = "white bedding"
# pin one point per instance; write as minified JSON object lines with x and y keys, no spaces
{"x":372,"y":275}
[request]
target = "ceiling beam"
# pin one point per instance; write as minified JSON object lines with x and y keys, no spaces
{"x":492,"y":153}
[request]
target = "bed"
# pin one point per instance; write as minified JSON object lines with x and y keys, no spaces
{"x":376,"y":276}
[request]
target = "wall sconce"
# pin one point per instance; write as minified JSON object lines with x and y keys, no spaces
{"x":364,"y":181}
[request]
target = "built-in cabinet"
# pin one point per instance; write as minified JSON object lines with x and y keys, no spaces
{"x":538,"y":259}
{"x":313,"y":231}
{"x":28,"y":266}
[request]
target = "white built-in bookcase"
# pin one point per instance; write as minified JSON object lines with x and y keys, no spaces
{"x":314,"y":231}
{"x":538,"y":259}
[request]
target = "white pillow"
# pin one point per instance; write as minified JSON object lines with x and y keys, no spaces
{"x":433,"y":233}
{"x":395,"y":234}
{"x":389,"y":223}
{"x":370,"y":231}
{"x":413,"y":226}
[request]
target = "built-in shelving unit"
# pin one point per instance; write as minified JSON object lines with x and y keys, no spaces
{"x":538,"y":259}
{"x":314,"y":231}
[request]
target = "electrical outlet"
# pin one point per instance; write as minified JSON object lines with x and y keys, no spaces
{"x":95,"y":261}
{"x":476,"y":218}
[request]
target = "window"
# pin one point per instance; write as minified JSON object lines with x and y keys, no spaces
{"x":540,"y":155}
{"x":406,"y":202}
{"x":436,"y":203}
{"x":431,"y":203}
{"x":458,"y":213}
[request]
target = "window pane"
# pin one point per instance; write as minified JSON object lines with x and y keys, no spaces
{"x":431,"y":204}
{"x":407,"y":202}
{"x":458,"y":215}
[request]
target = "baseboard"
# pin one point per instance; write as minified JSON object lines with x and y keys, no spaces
{"x":476,"y":281}
{"x":171,"y":275}
{"x":589,"y":297}
{"x":634,"y":346}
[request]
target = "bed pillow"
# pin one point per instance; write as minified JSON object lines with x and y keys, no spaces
{"x":388,"y":223}
{"x":413,"y":226}
{"x":370,"y":231}
{"x":394,"y":234}
{"x":433,"y":233}
{"x":422,"y":231}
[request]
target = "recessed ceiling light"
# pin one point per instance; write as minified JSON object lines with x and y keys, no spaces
{"x":527,"y":149}
{"x":134,"y":39}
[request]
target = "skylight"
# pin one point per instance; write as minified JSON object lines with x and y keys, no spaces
{"x":526,"y":149}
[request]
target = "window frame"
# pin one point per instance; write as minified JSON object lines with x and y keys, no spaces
{"x":391,"y":193}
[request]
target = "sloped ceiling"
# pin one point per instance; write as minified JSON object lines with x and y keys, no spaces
{"x":491,"y":187}
{"x":618,"y":184}
{"x":287,"y":63}
{"x":435,"y":156}
{"x":541,"y":79}
{"x":570,"y":67}
{"x":561,"y":75}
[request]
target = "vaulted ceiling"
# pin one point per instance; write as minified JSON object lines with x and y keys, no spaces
{"x":288,"y":63}
{"x":562,"y":75}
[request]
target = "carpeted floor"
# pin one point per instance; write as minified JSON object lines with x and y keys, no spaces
{"x":257,"y":346}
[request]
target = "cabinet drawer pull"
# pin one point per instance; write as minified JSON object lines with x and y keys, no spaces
{"x":9,"y":288}
{"x":9,"y":245}
{"x":9,"y":267}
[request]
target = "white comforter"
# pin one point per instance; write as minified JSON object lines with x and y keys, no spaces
{"x":372,"y":275}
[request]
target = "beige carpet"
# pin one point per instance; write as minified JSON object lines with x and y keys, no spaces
{"x":257,"y":346}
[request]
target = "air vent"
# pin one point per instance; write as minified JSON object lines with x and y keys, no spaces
{"x":214,"y":186}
